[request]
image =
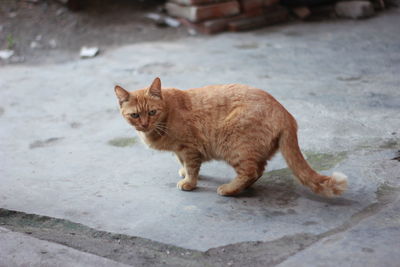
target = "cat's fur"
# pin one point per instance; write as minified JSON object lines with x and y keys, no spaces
{"x":242,"y":125}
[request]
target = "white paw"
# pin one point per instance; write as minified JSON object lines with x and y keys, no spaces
{"x":182,"y":172}
{"x":184,"y":185}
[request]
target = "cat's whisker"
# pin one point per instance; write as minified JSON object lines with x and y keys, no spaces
{"x":163,"y":130}
{"x":157,"y":131}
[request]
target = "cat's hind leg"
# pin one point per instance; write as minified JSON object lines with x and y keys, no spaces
{"x":248,"y":171}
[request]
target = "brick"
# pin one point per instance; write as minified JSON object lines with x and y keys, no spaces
{"x":254,"y":12}
{"x":279,"y":15}
{"x":196,"y":2}
{"x":213,"y":26}
{"x":247,"y":24}
{"x":201,"y":13}
{"x":301,"y":12}
{"x":354,"y":9}
{"x":275,"y":9}
{"x":270,"y":2}
{"x":209,"y":26}
{"x":250,"y":5}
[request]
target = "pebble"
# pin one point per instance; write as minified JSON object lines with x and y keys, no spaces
{"x":53,"y":43}
{"x":12,"y":14}
{"x":172,"y":22}
{"x":60,"y":11}
{"x":192,"y":31}
{"x":88,"y":52}
{"x":35,"y":45}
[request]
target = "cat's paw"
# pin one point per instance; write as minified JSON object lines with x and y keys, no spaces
{"x":227,"y":190}
{"x":185,"y":185}
{"x":182,"y":172}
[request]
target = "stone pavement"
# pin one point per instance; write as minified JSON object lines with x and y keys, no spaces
{"x":66,"y":153}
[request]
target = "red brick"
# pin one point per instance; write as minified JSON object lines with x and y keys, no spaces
{"x":207,"y":27}
{"x":254,"y":12}
{"x":249,"y":5}
{"x":212,"y":26}
{"x":196,"y":2}
{"x":247,"y":24}
{"x":270,"y":2}
{"x":274,"y":9}
{"x":279,"y":14}
{"x":201,"y":13}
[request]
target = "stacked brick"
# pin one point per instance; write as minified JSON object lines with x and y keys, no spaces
{"x":213,"y":16}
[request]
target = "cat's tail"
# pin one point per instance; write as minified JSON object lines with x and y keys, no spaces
{"x":325,"y":185}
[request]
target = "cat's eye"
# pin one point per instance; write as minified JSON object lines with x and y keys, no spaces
{"x":135,"y":115}
{"x":152,"y":112}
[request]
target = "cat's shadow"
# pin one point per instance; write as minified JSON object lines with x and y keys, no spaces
{"x":270,"y":193}
{"x":213,"y":180}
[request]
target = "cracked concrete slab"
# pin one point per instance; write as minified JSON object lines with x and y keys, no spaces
{"x":18,"y":249}
{"x":373,"y":242}
{"x":67,"y":153}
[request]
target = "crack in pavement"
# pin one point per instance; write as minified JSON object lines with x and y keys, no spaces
{"x":140,"y":251}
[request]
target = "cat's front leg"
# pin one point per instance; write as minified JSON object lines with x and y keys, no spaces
{"x":182,"y":171}
{"x":191,"y":167}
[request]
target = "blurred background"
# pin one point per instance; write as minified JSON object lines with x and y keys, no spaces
{"x":54,"y":30}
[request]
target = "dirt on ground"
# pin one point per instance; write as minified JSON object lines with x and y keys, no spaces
{"x":46,"y":31}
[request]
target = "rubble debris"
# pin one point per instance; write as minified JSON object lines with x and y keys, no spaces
{"x":6,"y":54}
{"x":354,"y":9}
{"x":89,"y":52}
{"x":214,"y":16}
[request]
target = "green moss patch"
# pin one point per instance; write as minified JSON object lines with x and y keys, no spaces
{"x":122,"y":141}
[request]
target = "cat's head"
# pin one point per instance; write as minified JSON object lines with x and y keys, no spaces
{"x":145,"y":108}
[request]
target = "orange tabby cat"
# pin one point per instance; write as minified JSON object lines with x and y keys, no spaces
{"x":242,"y":125}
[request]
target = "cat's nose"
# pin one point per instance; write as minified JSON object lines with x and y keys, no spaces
{"x":145,"y":125}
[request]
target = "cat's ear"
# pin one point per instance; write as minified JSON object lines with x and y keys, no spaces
{"x":155,"y":88}
{"x":122,"y":94}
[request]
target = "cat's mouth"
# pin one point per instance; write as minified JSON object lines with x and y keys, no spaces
{"x":145,"y":130}
{"x":142,"y":130}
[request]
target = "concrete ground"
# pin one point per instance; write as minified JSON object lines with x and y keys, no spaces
{"x":77,"y":186}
